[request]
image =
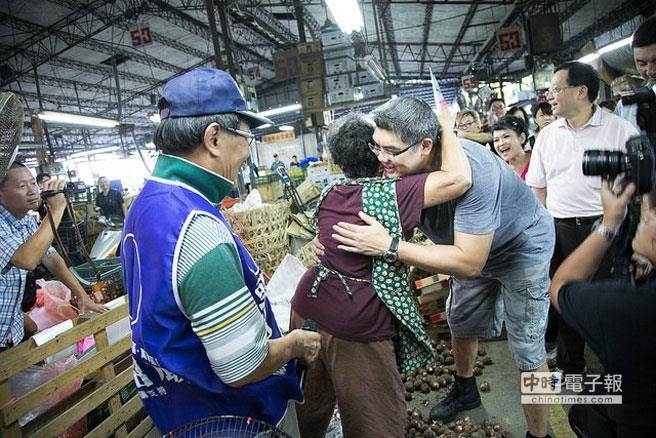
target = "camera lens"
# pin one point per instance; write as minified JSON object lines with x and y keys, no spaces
{"x":604,"y":163}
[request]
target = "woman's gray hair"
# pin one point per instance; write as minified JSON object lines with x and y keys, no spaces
{"x":409,"y":118}
{"x":182,"y":135}
{"x":348,"y":141}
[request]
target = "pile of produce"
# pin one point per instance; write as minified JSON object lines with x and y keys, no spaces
{"x":440,"y":374}
{"x":419,"y":427}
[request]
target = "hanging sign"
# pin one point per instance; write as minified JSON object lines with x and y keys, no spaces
{"x":278,"y":136}
{"x":509,"y":39}
{"x":140,"y":35}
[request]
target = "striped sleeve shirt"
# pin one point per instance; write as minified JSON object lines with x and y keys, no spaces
{"x":212,"y":293}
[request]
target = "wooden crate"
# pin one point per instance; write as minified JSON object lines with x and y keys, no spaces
{"x":112,"y":363}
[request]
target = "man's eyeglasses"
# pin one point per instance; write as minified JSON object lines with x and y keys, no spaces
{"x":377,"y":150}
{"x":467,"y":125}
{"x":556,"y":90}
{"x":247,"y":135}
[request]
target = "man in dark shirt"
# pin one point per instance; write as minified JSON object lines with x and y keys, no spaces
{"x":109,"y":200}
{"x":615,"y":319}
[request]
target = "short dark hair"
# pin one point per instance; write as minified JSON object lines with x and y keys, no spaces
{"x":494,"y":99}
{"x":40,"y":176}
{"x":348,"y":142}
{"x":545,"y":107}
{"x":579,"y":74}
{"x":514,"y":124}
{"x":275,"y":155}
{"x":182,"y":135}
{"x":14,"y":165}
{"x":410,"y":118}
{"x":645,"y":35}
{"x":514,"y":109}
{"x":294,"y":156}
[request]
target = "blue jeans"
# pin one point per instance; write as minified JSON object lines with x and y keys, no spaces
{"x":479,"y":306}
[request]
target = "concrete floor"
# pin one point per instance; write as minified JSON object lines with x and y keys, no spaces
{"x":502,"y":403}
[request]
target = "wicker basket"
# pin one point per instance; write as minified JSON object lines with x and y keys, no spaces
{"x":263,"y":231}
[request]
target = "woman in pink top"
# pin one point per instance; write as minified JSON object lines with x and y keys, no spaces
{"x":510,"y":135}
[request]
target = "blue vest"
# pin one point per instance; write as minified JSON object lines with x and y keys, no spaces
{"x":171,"y":369}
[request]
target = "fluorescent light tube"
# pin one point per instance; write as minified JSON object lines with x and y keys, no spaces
{"x":347,"y":14}
{"x":76,"y":119}
{"x":286,"y":128}
{"x":587,"y":59}
{"x":616,"y":45}
{"x":93,"y":152}
{"x":281,"y":110}
{"x":154,"y":117}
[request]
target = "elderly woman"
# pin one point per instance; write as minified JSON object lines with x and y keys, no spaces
{"x":364,"y":308}
{"x":510,"y":137}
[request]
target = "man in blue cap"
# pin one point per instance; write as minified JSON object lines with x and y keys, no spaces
{"x":205,"y":341}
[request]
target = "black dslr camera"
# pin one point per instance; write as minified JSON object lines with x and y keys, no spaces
{"x":638,"y":163}
{"x":72,"y":188}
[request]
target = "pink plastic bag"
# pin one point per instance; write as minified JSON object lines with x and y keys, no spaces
{"x":36,"y":375}
{"x":52,"y":305}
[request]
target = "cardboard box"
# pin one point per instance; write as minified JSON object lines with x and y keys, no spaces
{"x":270,"y":191}
{"x":371,"y":91}
{"x":338,"y":83}
{"x":309,"y":49}
{"x":310,"y":69}
{"x":363,"y":77}
{"x":334,"y":38}
{"x":341,"y":96}
{"x":339,"y":66}
{"x":311,"y":86}
{"x":338,"y":52}
{"x":312,"y":101}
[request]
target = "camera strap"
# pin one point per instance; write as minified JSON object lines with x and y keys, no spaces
{"x":78,"y":236}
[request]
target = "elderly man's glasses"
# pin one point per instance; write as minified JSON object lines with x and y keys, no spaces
{"x":247,"y":135}
{"x":376,"y":149}
{"x":556,"y":90}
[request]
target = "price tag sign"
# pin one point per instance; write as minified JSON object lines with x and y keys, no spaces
{"x":509,"y":39}
{"x":140,"y":35}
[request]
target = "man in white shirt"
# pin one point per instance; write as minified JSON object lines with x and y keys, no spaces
{"x":644,"y":55}
{"x":556,"y":177}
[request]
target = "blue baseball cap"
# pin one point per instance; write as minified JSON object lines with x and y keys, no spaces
{"x":205,"y":91}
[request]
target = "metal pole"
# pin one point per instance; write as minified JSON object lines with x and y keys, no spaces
{"x":298,"y":11}
{"x":225,"y":27}
{"x":214,"y":34}
{"x":45,"y":125}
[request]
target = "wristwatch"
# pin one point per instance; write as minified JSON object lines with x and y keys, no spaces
{"x":607,"y":233}
{"x":391,"y":255}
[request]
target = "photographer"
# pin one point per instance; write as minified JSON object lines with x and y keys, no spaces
{"x":24,"y":245}
{"x":110,"y":201}
{"x":644,"y":55}
{"x":615,"y":319}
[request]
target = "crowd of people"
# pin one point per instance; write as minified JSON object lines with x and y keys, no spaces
{"x":528,"y":240}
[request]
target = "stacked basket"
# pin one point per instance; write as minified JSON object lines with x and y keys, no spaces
{"x":263,"y":231}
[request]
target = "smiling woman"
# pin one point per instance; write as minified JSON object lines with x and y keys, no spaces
{"x":510,"y":137}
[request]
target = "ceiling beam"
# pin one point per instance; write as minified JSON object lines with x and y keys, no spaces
{"x":385,"y":13}
{"x":158,"y":37}
{"x":99,"y":69}
{"x":198,"y":28}
{"x":428,"y":17}
{"x":461,"y":34}
{"x":25,"y":60}
{"x":92,"y":44}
